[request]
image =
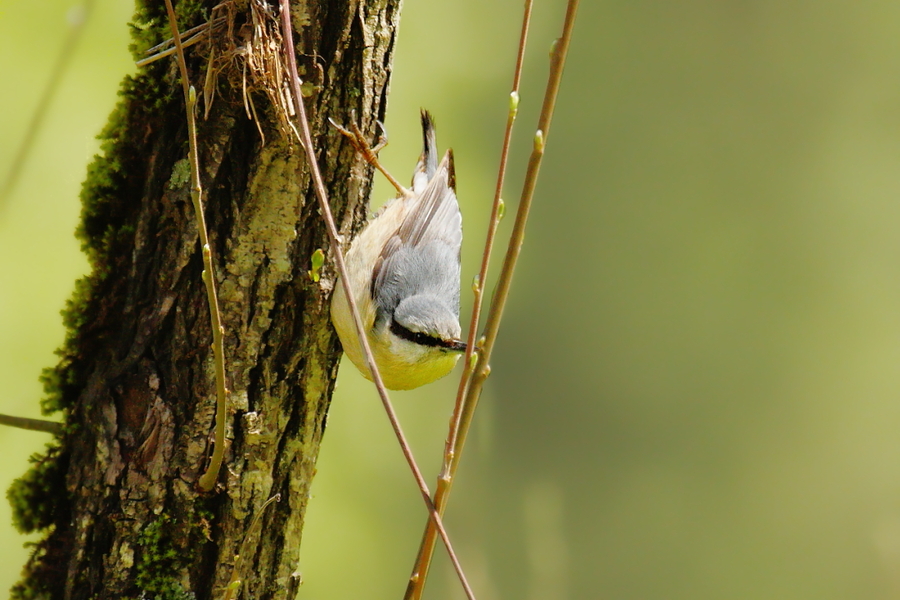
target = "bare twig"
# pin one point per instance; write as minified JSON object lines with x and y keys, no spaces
{"x":498,"y":303}
{"x":31,"y":424}
{"x":477,"y":365}
{"x":370,"y":154}
{"x":77,"y":18}
{"x":325,"y":208}
{"x":208,"y":480}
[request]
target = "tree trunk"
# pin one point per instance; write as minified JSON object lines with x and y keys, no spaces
{"x":117,"y":491}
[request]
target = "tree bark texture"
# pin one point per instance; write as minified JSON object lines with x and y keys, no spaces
{"x":116,"y":493}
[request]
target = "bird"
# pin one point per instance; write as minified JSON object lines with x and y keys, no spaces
{"x":404,"y":274}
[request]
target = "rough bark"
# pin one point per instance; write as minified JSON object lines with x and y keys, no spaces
{"x":117,"y":492}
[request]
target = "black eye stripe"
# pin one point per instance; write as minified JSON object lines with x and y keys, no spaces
{"x":415,"y":336}
{"x":424,"y":339}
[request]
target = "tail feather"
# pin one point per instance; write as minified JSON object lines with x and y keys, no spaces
{"x":429,"y":144}
{"x":428,"y":160}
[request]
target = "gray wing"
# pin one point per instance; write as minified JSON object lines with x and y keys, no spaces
{"x":436,"y":212}
{"x":431,"y":269}
{"x":423,"y":256}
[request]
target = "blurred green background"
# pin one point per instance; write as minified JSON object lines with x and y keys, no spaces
{"x":696,"y":390}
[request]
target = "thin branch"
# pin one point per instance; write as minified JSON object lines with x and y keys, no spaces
{"x":557,"y":64}
{"x":208,"y":480}
{"x":477,"y":367}
{"x":325,"y":207}
{"x":493,"y":223}
{"x":31,"y":424}
{"x":77,"y":18}
{"x":370,"y":154}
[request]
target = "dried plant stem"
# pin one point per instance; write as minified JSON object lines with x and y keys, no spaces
{"x":208,"y":480}
{"x":319,"y":186}
{"x":188,"y":38}
{"x":31,"y":424}
{"x":477,"y":367}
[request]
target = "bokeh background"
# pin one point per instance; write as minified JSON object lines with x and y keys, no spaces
{"x":696,"y":390}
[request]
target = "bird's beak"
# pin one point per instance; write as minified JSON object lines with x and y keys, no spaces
{"x":456,"y":345}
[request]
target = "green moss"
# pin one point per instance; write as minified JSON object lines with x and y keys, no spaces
{"x":61,"y":382}
{"x":148,"y":27}
{"x":35,"y":499}
{"x":190,"y":13}
{"x":31,"y":588}
{"x":159,"y":563}
{"x":34,"y":495}
{"x":181,"y":174}
{"x":103,"y":203}
{"x":150,"y":24}
{"x":142,"y":98}
{"x":106,"y":203}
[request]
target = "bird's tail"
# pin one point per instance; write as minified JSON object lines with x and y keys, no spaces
{"x":428,"y":161}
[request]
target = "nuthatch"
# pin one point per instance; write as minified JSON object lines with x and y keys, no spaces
{"x":404,"y":274}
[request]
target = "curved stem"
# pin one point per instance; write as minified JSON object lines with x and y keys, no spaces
{"x":208,"y":480}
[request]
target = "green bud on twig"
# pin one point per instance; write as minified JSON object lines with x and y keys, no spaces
{"x":539,"y":141}
{"x":316,"y":262}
